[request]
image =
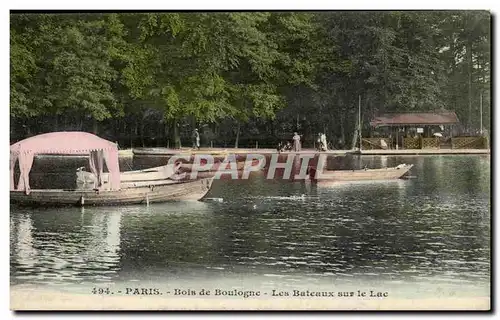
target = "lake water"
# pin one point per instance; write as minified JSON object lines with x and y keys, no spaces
{"x":425,"y":236}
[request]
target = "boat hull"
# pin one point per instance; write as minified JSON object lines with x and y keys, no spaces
{"x":365,"y":174}
{"x":168,"y":191}
{"x":158,"y":173}
{"x":152,"y":174}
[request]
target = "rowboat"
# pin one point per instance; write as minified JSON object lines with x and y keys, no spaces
{"x":142,"y":193}
{"x":134,"y":178}
{"x":127,"y":177}
{"x":156,"y":173}
{"x":112,"y":188}
{"x":361,"y":175}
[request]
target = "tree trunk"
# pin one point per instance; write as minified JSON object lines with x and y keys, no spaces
{"x":117,"y":132}
{"x":136,"y":130}
{"x":355,"y":133}
{"x":131,"y":137}
{"x":366,"y":109}
{"x":469,"y":80}
{"x":94,"y":126}
{"x":176,"y":138}
{"x":166,"y":134}
{"x":354,"y":138}
{"x":237,"y":135}
{"x":342,"y":132}
{"x":142,"y":132}
{"x":161,"y":135}
{"x":357,"y":129}
{"x":28,"y":129}
{"x":342,"y":121}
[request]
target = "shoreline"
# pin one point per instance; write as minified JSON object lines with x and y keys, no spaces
{"x":221,"y":152}
{"x":242,"y":151}
{"x":22,"y":299}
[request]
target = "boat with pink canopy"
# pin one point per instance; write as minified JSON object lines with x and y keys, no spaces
{"x":107,"y":187}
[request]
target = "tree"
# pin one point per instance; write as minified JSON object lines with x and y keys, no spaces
{"x":247,"y":75}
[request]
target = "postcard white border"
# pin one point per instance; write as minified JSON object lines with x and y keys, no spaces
{"x":196,"y":4}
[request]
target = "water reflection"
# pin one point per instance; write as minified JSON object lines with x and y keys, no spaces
{"x":434,"y":228}
{"x":56,"y":246}
{"x":24,"y":245}
{"x":183,"y":235}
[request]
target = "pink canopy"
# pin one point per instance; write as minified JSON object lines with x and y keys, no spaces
{"x":72,"y":142}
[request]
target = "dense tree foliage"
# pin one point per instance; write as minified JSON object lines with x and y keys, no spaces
{"x":242,"y":77}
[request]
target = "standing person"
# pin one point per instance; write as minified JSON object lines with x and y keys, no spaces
{"x":319,"y":142}
{"x":324,"y":144}
{"x":296,"y":142}
{"x":196,"y":139}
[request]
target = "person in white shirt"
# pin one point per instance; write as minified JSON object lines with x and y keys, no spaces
{"x":296,"y":142}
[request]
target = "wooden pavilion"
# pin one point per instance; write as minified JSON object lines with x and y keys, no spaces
{"x":417,"y":130}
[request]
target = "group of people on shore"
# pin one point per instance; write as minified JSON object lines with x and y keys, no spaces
{"x":294,"y":146}
{"x":322,"y":143}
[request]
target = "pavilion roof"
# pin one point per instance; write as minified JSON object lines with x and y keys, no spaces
{"x":415,"y":118}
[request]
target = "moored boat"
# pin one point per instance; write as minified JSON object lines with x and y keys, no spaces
{"x":142,"y":193}
{"x":150,"y":174}
{"x":114,"y":187}
{"x":158,"y":173}
{"x":361,"y":175}
{"x":136,"y":177}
